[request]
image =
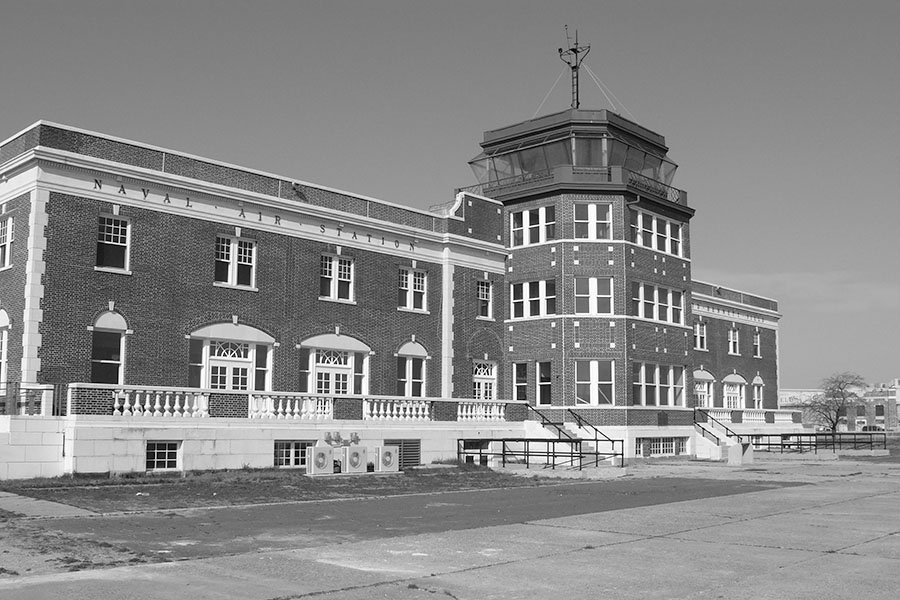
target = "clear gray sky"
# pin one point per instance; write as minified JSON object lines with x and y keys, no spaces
{"x":783,"y":117}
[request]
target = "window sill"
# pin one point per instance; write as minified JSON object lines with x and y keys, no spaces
{"x":480,"y":318}
{"x":701,"y":349}
{"x":112,"y":270}
{"x":336,"y":300}
{"x":734,"y":354}
{"x":413,"y":310}
{"x":246,"y":288}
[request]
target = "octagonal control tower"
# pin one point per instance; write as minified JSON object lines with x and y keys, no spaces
{"x":598,"y":268}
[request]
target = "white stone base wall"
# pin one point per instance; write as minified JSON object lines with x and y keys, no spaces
{"x":52,"y":446}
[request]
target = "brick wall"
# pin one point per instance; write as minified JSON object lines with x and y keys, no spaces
{"x":473,"y":338}
{"x":171,"y":293}
{"x":12,"y":281}
{"x":229,"y":405}
{"x":445,"y":411}
{"x":91,"y":401}
{"x":348,"y":409}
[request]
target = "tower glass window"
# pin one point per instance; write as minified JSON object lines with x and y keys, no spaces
{"x":593,"y":221}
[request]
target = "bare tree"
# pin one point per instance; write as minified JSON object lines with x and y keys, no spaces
{"x":839,"y":393}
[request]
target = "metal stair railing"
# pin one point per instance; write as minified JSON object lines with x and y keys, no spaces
{"x":560,"y":428}
{"x":710,"y":419}
{"x":584,"y":424}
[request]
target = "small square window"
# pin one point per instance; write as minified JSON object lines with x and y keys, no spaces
{"x":162,"y":455}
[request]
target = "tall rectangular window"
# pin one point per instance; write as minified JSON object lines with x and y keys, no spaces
{"x":485,"y":300}
{"x":594,"y":382}
{"x":235,"y":262}
{"x":106,"y":356}
{"x":593,"y":295}
{"x":520,"y":381}
{"x":657,"y":385}
{"x":700,"y":336}
{"x":757,"y":396}
{"x":533,"y":299}
{"x":112,"y":243}
{"x":757,"y":346}
{"x":658,"y":304}
{"x":593,"y":222}
{"x":533,"y":226}
{"x":410,"y":376}
{"x":336,"y":277}
{"x":484,"y":380}
{"x":544,"y":383}
{"x":6,"y":240}
{"x":655,"y":232}
{"x":703,"y":393}
{"x":734,"y":395}
{"x":734,"y":341}
{"x":411,"y":289}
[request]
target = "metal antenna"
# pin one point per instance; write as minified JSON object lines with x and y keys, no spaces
{"x":573,"y":57}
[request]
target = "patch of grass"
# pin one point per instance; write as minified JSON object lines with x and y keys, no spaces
{"x":256,"y":486}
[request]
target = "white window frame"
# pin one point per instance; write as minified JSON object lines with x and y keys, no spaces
{"x":664,"y":384}
{"x":597,"y":224}
{"x":593,"y":295}
{"x":412,"y":289}
{"x":535,"y":226}
{"x":114,"y":231}
{"x":4,"y":357}
{"x":164,"y":451}
{"x":656,"y":303}
{"x":544,"y":384}
{"x":757,"y":345}
{"x":703,"y":393}
{"x":120,"y":362}
{"x":595,"y":396}
{"x":350,"y":378}
{"x":334,"y":270}
{"x":256,"y":362}
{"x":700,"y":336}
{"x":485,"y":293}
{"x":291,"y":453}
{"x":231,"y":251}
{"x":657,"y":233}
{"x":6,"y":242}
{"x":734,"y":341}
{"x":484,"y":380}
{"x":520,"y":381}
{"x":734,"y":395}
{"x":407,"y":383}
{"x":757,"y":396}
{"x":534,"y":298}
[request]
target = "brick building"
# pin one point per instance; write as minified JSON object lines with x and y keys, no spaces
{"x":138,"y":282}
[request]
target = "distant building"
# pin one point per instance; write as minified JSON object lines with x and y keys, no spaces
{"x":874,"y":409}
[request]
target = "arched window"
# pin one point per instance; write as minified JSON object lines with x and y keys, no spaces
{"x":758,"y":386}
{"x":230,"y":356}
{"x":108,"y":348}
{"x":735,"y":388}
{"x":411,"y":358}
{"x":334,"y":364}
{"x":703,"y":389}
{"x":4,"y":350}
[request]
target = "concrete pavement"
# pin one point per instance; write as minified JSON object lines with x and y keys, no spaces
{"x":838,"y":536}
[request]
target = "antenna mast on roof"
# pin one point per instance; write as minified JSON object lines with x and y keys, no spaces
{"x":573,"y":57}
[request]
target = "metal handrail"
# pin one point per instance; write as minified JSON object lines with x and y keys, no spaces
{"x":572,"y":457}
{"x":545,"y":421}
{"x":812,"y":442}
{"x":584,"y":424}
{"x":728,"y":431}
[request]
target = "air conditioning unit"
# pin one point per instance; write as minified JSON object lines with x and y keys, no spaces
{"x":319,"y":460}
{"x":354,"y":459}
{"x":387,"y":459}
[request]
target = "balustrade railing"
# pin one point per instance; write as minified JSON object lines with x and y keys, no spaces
{"x":481,"y":411}
{"x":754,"y":415}
{"x":154,"y":402}
{"x":291,"y":406}
{"x":396,"y":409}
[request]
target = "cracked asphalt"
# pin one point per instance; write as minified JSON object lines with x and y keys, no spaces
{"x":769,"y":530}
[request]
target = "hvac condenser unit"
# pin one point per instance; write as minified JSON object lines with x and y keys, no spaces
{"x":354,"y":459}
{"x":319,"y":460}
{"x":387,"y":458}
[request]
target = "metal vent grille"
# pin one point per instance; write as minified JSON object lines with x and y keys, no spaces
{"x":410,"y":451}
